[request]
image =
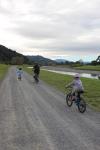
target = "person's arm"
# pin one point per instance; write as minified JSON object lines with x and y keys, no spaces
{"x":33,"y":69}
{"x":21,"y":71}
{"x":70,"y":84}
{"x":17,"y":71}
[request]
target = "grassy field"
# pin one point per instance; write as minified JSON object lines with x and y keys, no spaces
{"x":3,"y":70}
{"x":89,"y":67}
{"x":92,"y":86}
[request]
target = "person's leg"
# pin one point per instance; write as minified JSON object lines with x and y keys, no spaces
{"x":75,"y":90}
{"x":73,"y":93}
{"x":78,"y":96}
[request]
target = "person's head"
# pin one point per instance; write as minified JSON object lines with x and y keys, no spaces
{"x":77,"y":76}
{"x":20,"y":68}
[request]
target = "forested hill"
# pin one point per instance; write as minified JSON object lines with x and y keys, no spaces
{"x":41,"y":60}
{"x":9,"y":56}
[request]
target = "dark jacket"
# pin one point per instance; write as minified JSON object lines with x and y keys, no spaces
{"x":36,"y":69}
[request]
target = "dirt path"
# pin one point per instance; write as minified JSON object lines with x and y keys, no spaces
{"x":35,"y":117}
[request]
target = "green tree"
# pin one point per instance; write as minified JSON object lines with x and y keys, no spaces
{"x":17,"y":60}
{"x":94,"y":62}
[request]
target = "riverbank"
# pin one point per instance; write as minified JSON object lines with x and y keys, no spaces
{"x":92,"y":87}
{"x":67,"y":69}
{"x":89,"y":67}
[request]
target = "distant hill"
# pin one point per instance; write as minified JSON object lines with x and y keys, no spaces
{"x":9,"y":56}
{"x":60,"y":60}
{"x":41,"y":60}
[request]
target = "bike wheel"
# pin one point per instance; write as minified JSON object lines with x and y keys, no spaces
{"x":69,"y":100}
{"x":36,"y":78}
{"x":82,"y":106}
{"x":19,"y":78}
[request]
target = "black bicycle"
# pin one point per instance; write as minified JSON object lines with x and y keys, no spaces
{"x":78,"y":100}
{"x":36,"y":78}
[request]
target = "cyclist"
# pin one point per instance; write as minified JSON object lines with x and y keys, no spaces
{"x":36,"y":71}
{"x":77,"y":86}
{"x":19,"y":73}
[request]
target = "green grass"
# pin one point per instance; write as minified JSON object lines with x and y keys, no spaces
{"x":92,"y":86}
{"x":89,"y":67}
{"x":25,"y":68}
{"x":3,"y":70}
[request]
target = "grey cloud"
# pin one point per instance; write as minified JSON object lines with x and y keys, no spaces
{"x":55,"y":25}
{"x":6,"y":7}
{"x":36,"y":31}
{"x":5,"y":11}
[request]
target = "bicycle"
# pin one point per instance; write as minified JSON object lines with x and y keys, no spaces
{"x":19,"y":77}
{"x":36,"y":78}
{"x":78,"y":100}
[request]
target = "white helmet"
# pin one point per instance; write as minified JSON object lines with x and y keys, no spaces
{"x":77,"y":75}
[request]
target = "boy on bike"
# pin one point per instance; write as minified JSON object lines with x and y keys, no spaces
{"x":77,"y":86}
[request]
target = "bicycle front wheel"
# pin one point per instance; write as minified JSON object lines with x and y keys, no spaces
{"x":69,"y":100}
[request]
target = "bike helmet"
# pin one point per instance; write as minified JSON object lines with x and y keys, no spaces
{"x":77,"y":75}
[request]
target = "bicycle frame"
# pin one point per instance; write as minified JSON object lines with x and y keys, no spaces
{"x":79,"y":101}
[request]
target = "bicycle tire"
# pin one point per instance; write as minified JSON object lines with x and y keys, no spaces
{"x":68,"y":100}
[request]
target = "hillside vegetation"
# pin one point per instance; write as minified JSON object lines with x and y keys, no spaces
{"x":41,"y":60}
{"x":9,"y":56}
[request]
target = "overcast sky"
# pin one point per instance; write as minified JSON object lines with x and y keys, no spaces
{"x":67,"y":29}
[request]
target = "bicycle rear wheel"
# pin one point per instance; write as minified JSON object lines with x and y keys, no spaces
{"x":82,"y":106}
{"x":69,"y":100}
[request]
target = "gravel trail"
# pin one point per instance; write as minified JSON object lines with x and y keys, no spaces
{"x":35,"y":117}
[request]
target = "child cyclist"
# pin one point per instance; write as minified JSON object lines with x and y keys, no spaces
{"x":77,"y":86}
{"x":19,"y":73}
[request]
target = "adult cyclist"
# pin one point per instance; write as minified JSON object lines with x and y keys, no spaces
{"x":36,"y":71}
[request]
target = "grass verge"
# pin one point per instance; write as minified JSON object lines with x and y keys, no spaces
{"x":92,"y":86}
{"x":3,"y":70}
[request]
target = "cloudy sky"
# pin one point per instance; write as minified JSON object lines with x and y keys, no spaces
{"x":68,"y":29}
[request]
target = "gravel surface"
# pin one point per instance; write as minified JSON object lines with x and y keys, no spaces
{"x":35,"y":117}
